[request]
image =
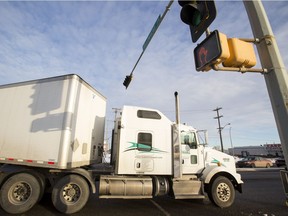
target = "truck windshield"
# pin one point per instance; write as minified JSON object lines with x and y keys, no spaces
{"x":189,"y":138}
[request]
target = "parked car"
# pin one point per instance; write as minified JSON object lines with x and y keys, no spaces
{"x":254,"y":161}
{"x":280,"y":162}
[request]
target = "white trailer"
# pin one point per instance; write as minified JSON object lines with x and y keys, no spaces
{"x":51,"y":140}
{"x":55,"y":123}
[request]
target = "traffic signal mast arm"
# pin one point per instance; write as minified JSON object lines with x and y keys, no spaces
{"x":240,"y":69}
{"x":160,"y":18}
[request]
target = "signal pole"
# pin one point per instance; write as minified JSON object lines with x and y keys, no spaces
{"x":219,"y":126}
{"x":277,"y":78}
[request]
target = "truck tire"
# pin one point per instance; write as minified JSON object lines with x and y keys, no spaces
{"x":221,"y":192}
{"x":19,"y":193}
{"x":70,"y":194}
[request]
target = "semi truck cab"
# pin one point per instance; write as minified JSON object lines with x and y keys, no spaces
{"x":147,"y":144}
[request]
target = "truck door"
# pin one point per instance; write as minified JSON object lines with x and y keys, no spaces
{"x":144,"y":146}
{"x":190,"y":152}
{"x":144,"y":159}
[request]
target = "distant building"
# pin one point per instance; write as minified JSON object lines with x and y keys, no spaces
{"x":274,"y":149}
{"x":263,"y":150}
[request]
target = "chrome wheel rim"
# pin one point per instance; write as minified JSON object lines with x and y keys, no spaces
{"x":71,"y":193}
{"x":223,"y":192}
{"x":20,"y":193}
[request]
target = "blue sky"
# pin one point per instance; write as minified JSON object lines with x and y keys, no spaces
{"x":101,"y":41}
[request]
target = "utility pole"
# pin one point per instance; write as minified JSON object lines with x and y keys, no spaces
{"x":219,"y":126}
{"x":116,"y":110}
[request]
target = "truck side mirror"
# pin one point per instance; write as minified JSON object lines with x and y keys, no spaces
{"x":202,"y":137}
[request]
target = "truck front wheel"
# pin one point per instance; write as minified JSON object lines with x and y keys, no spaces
{"x":70,"y":194}
{"x":19,"y":193}
{"x":221,"y":192}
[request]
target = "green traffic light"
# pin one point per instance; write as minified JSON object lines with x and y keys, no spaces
{"x":196,"y":19}
{"x":198,"y":15}
{"x":192,"y":14}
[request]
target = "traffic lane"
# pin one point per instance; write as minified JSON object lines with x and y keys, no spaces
{"x":262,"y":195}
{"x":160,"y":206}
{"x":106,"y":207}
{"x":263,"y":192}
{"x":99,"y":207}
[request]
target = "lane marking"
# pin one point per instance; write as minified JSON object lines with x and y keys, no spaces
{"x":160,"y":208}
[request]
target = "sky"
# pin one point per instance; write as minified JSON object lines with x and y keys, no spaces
{"x":102,"y":40}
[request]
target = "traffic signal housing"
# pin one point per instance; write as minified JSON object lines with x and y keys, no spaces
{"x":242,"y":54}
{"x":127,"y":80}
{"x":233,"y":53}
{"x":212,"y":50}
{"x":198,"y":15}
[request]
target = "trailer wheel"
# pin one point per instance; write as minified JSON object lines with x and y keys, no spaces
{"x":42,"y":187}
{"x":222,"y":192}
{"x":19,"y":193}
{"x":70,"y":194}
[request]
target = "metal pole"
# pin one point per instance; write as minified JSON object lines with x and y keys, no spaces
{"x":150,"y":36}
{"x":277,"y":78}
{"x":231,"y":140}
{"x":177,"y":152}
{"x":177,"y":108}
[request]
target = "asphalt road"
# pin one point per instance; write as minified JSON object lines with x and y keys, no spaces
{"x":262,"y":195}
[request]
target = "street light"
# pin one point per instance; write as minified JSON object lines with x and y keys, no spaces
{"x":225,"y":126}
{"x":220,"y":133}
{"x":231,"y":140}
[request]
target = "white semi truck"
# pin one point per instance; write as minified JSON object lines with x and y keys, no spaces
{"x":51,"y":140}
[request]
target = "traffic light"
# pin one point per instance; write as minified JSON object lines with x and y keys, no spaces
{"x":212,"y":50}
{"x":198,"y":15}
{"x":231,"y":52}
{"x":127,"y":80}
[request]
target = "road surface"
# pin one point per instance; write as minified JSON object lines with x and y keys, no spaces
{"x":263,"y":195}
